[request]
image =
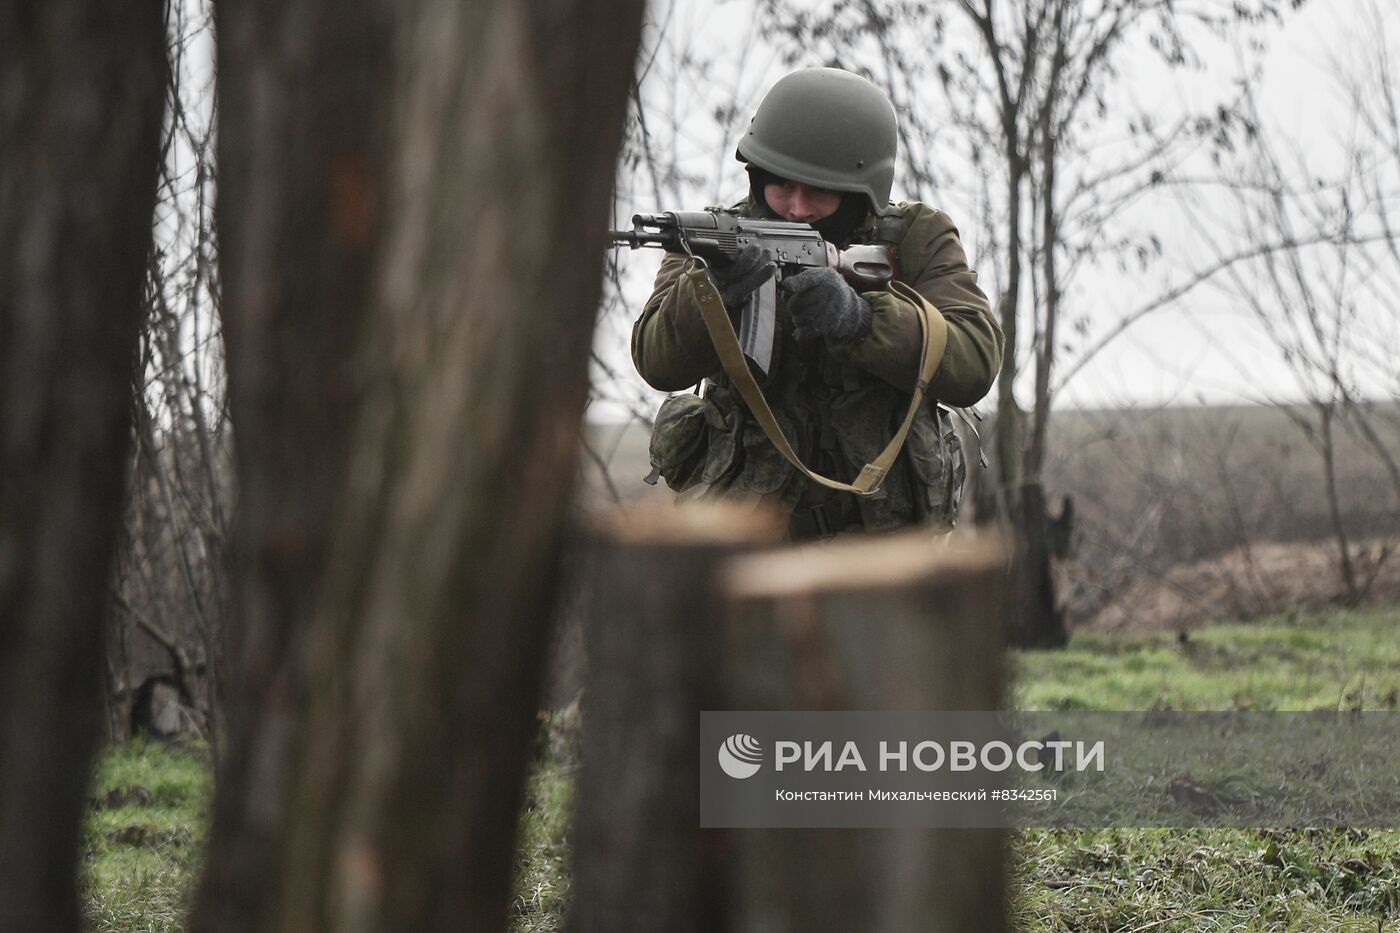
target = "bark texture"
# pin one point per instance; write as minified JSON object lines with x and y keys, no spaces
{"x":642,"y":861}
{"x":302,"y":141}
{"x":81,"y":89}
{"x":868,"y":625}
{"x":408,"y":407}
{"x":684,"y":623}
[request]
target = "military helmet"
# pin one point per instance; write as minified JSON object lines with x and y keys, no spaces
{"x":827,"y":128}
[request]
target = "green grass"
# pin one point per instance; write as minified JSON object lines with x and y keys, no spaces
{"x":542,"y":882}
{"x":1115,"y":880}
{"x":141,"y":853}
{"x":1207,"y":879}
{"x":1342,"y":660}
{"x":1215,"y":879}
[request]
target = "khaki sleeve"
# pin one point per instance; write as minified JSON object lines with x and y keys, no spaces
{"x":933,"y":263}
{"x":670,"y":346}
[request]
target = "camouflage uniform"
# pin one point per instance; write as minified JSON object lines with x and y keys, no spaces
{"x":838,"y":402}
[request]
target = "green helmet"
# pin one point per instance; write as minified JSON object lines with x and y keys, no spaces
{"x":827,"y":128}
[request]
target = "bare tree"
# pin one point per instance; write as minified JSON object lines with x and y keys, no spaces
{"x":689,"y":101}
{"x":413,"y":200}
{"x":80,"y":106}
{"x":170,"y":587}
{"x":1026,"y":91}
{"x":1324,"y":285}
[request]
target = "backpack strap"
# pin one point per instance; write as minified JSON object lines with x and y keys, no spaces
{"x":726,"y":342}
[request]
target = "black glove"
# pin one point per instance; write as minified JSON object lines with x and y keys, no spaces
{"x":742,"y":275}
{"x":822,"y":304}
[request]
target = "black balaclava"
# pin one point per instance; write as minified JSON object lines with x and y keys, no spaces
{"x":834,"y":229}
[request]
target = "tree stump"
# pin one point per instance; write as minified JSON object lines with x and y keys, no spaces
{"x":640,"y":858}
{"x":897,"y":623}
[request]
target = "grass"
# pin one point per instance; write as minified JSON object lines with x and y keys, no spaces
{"x":1117,"y":880}
{"x":143,"y":835}
{"x":1215,"y":879}
{"x":1188,"y":880}
{"x":542,"y":881}
{"x":1339,"y":660}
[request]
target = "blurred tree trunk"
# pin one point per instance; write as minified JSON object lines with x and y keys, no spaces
{"x":413,"y":200}
{"x":302,"y":105}
{"x":81,"y":88}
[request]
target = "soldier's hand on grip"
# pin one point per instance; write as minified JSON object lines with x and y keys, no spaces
{"x":823,"y":304}
{"x":749,"y":269}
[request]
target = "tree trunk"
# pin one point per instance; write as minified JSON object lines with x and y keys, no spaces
{"x":1045,"y":358}
{"x":1328,"y":449}
{"x":1035,"y":618}
{"x":81,"y":90}
{"x":1007,"y":443}
{"x":868,"y":625}
{"x":642,"y":861}
{"x":444,"y":171}
{"x":303,"y":104}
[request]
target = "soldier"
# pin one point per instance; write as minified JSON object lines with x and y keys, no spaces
{"x":821,"y":150}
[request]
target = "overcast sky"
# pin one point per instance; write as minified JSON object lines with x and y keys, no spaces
{"x":1208,"y":349}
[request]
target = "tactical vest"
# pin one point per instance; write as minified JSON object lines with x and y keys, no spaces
{"x":837,"y":416}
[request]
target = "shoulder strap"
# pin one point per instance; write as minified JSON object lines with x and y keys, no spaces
{"x":726,"y":342}
{"x":891,"y":229}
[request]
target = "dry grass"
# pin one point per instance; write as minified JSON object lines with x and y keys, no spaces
{"x":1190,"y":514}
{"x":1246,"y":583}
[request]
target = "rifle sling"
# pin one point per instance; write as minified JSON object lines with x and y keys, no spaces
{"x":722,"y":335}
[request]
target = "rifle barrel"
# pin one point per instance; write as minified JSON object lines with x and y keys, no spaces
{"x":636,"y":238}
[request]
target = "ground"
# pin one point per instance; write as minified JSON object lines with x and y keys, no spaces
{"x":151,"y":801}
{"x":149,"y":808}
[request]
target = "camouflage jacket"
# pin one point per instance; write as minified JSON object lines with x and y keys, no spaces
{"x":838,"y":402}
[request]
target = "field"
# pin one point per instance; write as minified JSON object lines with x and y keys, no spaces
{"x":143,"y":837}
{"x":1182,"y":515}
{"x":1188,"y":514}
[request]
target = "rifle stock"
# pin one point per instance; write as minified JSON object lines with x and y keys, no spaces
{"x":866,"y":266}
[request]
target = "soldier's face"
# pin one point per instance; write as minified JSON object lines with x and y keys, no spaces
{"x":792,"y":200}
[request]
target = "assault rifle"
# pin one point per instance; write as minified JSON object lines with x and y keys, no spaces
{"x":714,"y":237}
